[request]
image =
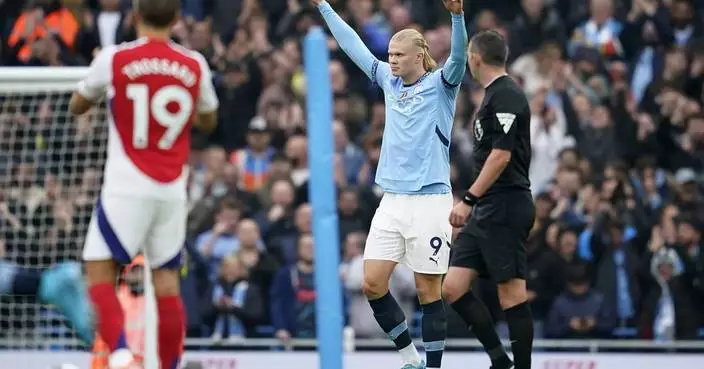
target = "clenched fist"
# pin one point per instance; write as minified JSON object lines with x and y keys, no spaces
{"x":454,"y":6}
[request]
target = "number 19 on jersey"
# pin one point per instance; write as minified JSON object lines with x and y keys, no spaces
{"x":156,"y":104}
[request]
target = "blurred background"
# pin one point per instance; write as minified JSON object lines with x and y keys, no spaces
{"x":616,"y":90}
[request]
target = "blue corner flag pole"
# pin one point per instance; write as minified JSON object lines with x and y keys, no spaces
{"x":321,"y":191}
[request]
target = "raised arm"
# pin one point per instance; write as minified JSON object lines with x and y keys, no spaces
{"x":456,"y":65}
{"x":348,"y":40}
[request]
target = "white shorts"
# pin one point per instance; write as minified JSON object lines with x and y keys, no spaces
{"x":123,"y":226}
{"x":414,"y":230}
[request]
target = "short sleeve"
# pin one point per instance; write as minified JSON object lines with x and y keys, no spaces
{"x":380,"y":73}
{"x":95,"y":84}
{"x":208,"y":99}
{"x":506,"y":109}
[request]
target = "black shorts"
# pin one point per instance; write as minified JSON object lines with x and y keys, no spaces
{"x":493,"y":240}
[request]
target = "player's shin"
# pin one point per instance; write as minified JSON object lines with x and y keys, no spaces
{"x":391,"y":319}
{"x":434,"y":332}
{"x":109,"y":314}
{"x":520,"y":326}
{"x":172,"y":326}
{"x":477,"y":316}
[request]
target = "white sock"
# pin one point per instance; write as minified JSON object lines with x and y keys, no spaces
{"x":409,"y":355}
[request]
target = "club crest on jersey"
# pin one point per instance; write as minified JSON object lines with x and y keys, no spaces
{"x":478,"y":130}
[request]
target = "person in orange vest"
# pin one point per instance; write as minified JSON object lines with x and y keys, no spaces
{"x":131,"y":295}
{"x":43,"y":18}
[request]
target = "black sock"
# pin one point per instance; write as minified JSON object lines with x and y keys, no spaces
{"x":26,"y":282}
{"x":478,"y":318}
{"x":391,"y":319}
{"x":434,"y":332}
{"x":520,"y":327}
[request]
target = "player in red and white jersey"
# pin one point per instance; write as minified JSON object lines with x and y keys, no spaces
{"x":154,"y":90}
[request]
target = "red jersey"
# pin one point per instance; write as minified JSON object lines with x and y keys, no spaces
{"x":153,"y":89}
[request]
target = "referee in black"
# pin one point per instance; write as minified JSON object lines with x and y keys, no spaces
{"x":492,"y":243}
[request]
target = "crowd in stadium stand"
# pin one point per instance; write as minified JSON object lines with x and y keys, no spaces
{"x":616,"y":89}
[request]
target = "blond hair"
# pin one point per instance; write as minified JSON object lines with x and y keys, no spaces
{"x":417,"y":39}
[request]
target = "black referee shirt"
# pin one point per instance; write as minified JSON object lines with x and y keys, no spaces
{"x":503,"y":122}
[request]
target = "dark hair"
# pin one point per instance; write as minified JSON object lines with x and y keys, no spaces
{"x":158,"y":13}
{"x":565,"y":230}
{"x":491,"y":47}
{"x":577,"y":275}
{"x":688,"y":2}
{"x":614,"y":223}
{"x":229,"y":203}
{"x":280,"y":157}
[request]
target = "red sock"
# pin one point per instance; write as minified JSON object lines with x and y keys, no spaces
{"x":110,"y":317}
{"x":172,"y":329}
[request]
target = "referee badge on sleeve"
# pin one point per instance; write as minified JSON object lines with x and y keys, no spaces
{"x":506,"y":121}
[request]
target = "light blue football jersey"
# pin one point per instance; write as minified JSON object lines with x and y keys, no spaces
{"x":415,"y":150}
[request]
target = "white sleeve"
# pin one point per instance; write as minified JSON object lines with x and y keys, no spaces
{"x":95,"y":84}
{"x":208,"y":100}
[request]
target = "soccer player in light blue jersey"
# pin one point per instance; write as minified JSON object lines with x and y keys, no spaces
{"x":410,"y":226}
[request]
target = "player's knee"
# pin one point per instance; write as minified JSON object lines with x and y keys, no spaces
{"x":99,"y":272}
{"x":452,"y":291}
{"x":167,"y":282}
{"x":428,"y":287}
{"x":511,"y":293}
{"x":374,"y":288}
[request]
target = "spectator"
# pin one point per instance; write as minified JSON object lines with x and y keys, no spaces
{"x":688,"y":196}
{"x":667,"y":312}
{"x":108,"y":26}
{"x":276,"y":220}
{"x":686,"y":26}
{"x":221,"y":240}
{"x":280,"y":169}
{"x":350,"y":217}
{"x":297,"y":151}
{"x":533,"y":25}
{"x":199,"y":217}
{"x":293,"y":295}
{"x":195,"y":285}
{"x":601,"y":31}
{"x":548,"y":138}
{"x":580,"y":311}
{"x":690,"y":249}
{"x":253,"y":161}
{"x":239,"y":90}
{"x":616,"y":273}
{"x":284,"y":238}
{"x":549,"y":269}
{"x":237,"y":303}
{"x":352,"y":155}
{"x":43,"y":31}
{"x":201,"y":40}
{"x":645,"y":37}
{"x":231,"y":180}
{"x":206,"y":179}
{"x":252,"y":253}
